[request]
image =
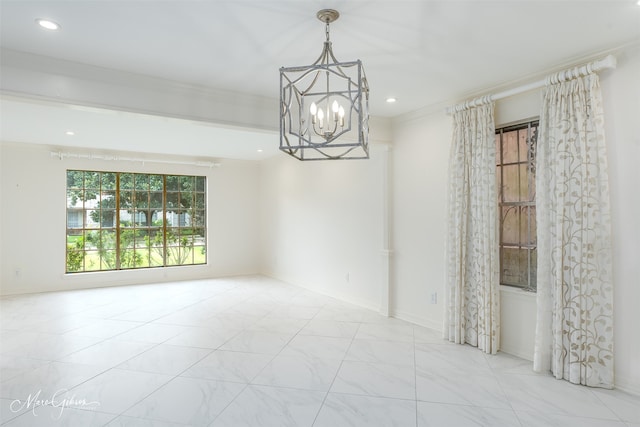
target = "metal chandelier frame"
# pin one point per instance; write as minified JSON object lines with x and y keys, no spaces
{"x":309,"y":94}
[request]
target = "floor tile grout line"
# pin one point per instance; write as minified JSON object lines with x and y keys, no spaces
{"x":257,"y":374}
{"x":610,"y":409}
{"x":159,"y":387}
{"x":565,"y":383}
{"x":178,"y":375}
{"x":497,"y":380}
{"x":258,"y":296}
{"x":134,"y":356}
{"x":336,"y":375}
{"x":261,"y":370}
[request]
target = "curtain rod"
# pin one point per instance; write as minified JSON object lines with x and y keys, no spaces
{"x":62,"y":155}
{"x":571,"y":73}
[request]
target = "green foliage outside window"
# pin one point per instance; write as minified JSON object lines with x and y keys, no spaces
{"x":126,"y":220}
{"x":75,"y":255}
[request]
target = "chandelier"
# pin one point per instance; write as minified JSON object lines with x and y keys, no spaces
{"x":324,"y":107}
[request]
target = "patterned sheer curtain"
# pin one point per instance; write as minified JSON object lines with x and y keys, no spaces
{"x":574,"y":331}
{"x":473,"y":300}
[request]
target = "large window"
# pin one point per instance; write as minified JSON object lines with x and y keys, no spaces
{"x":118,"y":220}
{"x":515,"y":160}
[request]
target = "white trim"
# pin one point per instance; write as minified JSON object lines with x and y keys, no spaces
{"x":517,"y":291}
{"x":386,"y":252}
{"x":42,"y":78}
{"x":627,"y":387}
{"x":515,"y":351}
{"x":417,"y":320}
{"x":90,"y":156}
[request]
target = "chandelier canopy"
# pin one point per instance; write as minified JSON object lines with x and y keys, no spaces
{"x":324,"y":107}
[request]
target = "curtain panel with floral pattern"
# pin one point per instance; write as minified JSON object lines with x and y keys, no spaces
{"x":574,"y":330}
{"x":472,"y":293}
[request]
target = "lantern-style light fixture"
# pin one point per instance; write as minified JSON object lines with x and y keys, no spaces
{"x":324,"y":107}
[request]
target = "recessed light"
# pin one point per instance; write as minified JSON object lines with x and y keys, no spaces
{"x":391,"y":100}
{"x":260,"y":151}
{"x":70,"y":132}
{"x":48,"y":24}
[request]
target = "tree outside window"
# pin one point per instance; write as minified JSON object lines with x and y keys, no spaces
{"x":119,"y":220}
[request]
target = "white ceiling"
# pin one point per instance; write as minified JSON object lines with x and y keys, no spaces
{"x":421,"y":52}
{"x":99,"y":128}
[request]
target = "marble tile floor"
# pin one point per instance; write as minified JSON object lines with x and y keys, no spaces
{"x":252,"y":351}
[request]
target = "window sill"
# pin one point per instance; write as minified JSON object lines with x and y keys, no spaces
{"x":517,"y":291}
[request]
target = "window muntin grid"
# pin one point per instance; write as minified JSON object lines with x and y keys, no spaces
{"x":120,"y":220}
{"x":515,"y":176}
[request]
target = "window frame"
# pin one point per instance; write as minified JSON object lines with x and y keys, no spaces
{"x":529,"y":242}
{"x":126,"y":244}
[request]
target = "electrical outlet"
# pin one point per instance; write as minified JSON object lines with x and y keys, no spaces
{"x":434,"y":298}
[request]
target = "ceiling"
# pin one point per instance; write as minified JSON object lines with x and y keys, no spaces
{"x":102,"y":129}
{"x":423,"y":53}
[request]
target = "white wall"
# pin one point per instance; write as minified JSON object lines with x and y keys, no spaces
{"x":322,"y":225}
{"x":32,"y":196}
{"x":420,"y":175}
{"x":420,"y":156}
{"x":621,"y":97}
{"x":419,"y":180}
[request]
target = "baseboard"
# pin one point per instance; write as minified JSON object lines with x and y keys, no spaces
{"x":111,"y":279}
{"x":337,"y":295}
{"x":628,"y":387}
{"x":516,"y":352}
{"x":418,"y":320}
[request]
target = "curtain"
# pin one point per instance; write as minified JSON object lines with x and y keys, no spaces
{"x":574,"y":330}
{"x":472,"y":295}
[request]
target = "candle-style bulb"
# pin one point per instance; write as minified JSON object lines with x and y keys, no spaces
{"x":313,"y":109}
{"x":335,"y":107}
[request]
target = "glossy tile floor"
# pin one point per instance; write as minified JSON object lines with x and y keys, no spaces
{"x":254,"y":351}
